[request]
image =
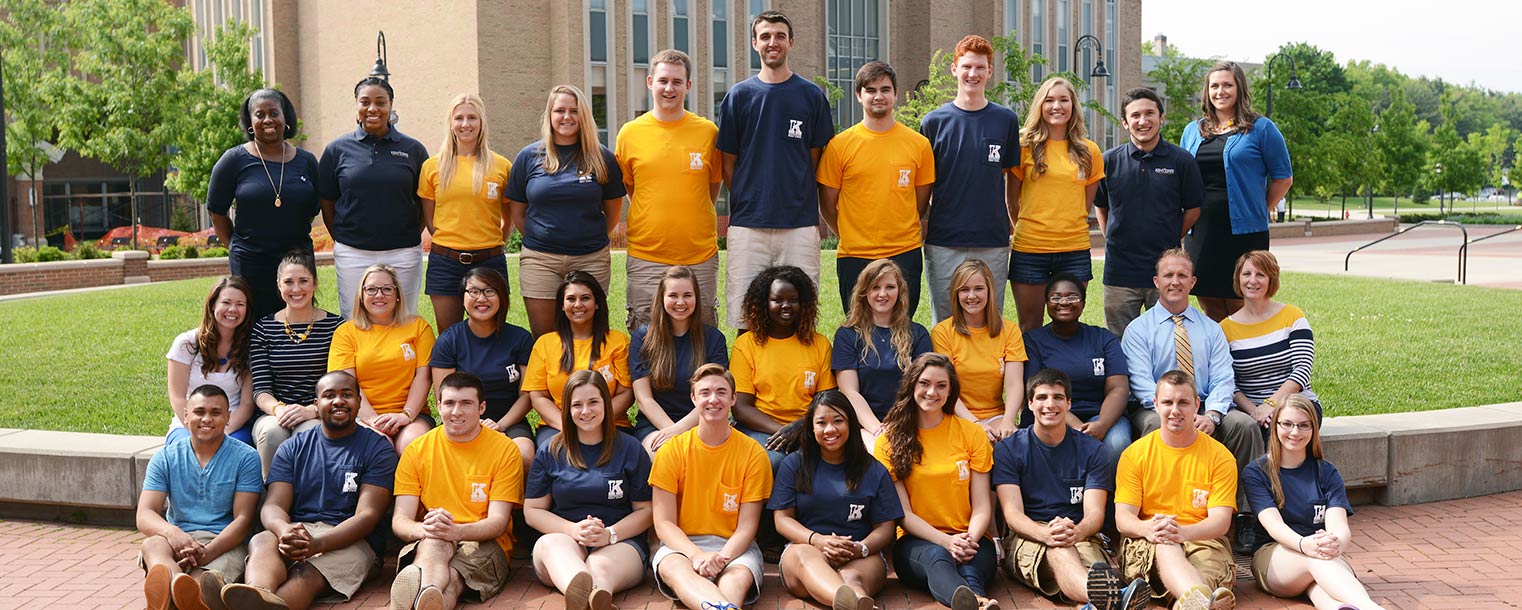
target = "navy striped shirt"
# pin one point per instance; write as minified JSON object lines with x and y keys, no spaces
{"x":284,"y":368}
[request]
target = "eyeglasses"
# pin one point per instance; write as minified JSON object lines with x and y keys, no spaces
{"x":1288,"y":426}
{"x":1064,"y":299}
{"x":479,"y":293}
{"x":371,"y":291}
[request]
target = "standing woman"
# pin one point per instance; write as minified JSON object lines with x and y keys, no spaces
{"x":1245,"y":165}
{"x":876,"y":343}
{"x":589,"y":494}
{"x":565,"y":193}
{"x":940,"y":465}
{"x":987,"y":351}
{"x":664,"y":354}
{"x":368,"y":182}
{"x":581,"y":340}
{"x":288,"y":354}
{"x":463,"y":209}
{"x":1300,"y":499}
{"x":386,"y":348}
{"x":1059,"y":172}
{"x":274,"y":186}
{"x":215,"y":352}
{"x":837,"y":506}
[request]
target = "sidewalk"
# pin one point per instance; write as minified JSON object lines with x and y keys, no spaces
{"x":1426,"y":254}
{"x":1454,"y":554}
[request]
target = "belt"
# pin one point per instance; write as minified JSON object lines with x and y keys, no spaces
{"x":466,"y":257}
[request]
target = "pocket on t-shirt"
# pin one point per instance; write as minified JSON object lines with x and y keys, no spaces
{"x":808,"y":379}
{"x":477,"y":492}
{"x":617,"y":486}
{"x":993,"y":152}
{"x":348,"y":477}
{"x":903,"y":176}
{"x":696,"y":159}
{"x":1197,"y":496}
{"x":727,"y":500}
{"x":1074,"y":490}
{"x":853,"y":508}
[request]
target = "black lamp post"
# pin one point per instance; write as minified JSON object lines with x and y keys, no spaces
{"x":5,"y":176}
{"x":1294,"y":81}
{"x":1438,"y":169}
{"x":1099,"y":70}
{"x":380,"y":57}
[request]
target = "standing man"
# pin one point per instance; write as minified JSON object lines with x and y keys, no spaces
{"x":772,"y":129}
{"x":328,"y":489}
{"x":974,"y":141}
{"x":672,"y":172}
{"x":874,"y":185}
{"x":455,"y":493}
{"x":1151,"y":193}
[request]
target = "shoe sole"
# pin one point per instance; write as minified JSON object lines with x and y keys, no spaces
{"x":1223,"y":599}
{"x":578,"y":592}
{"x":1194,"y":599}
{"x":406,"y":587}
{"x":964,"y":599}
{"x":156,"y":587}
{"x":248,"y":597}
{"x":845,"y":598}
{"x":186,"y":593}
{"x":1136,"y":596}
{"x":601,"y":599}
{"x":430,"y":598}
{"x":211,"y":589}
{"x":1104,"y":587}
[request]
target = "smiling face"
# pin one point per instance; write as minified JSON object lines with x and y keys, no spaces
{"x":229,"y":309}
{"x":831,"y":430}
{"x":465,"y":125}
{"x":931,"y":389}
{"x":877,"y":98}
{"x":205,"y":417}
{"x":1176,"y":406}
{"x":482,"y":302}
{"x":1253,"y":281}
{"x":669,"y":86}
{"x":374,"y":106}
{"x":772,"y":42}
{"x":1057,"y":108}
{"x":579,"y":305}
{"x":678,"y":299}
{"x":565,"y":119}
{"x":379,"y":290}
{"x":1050,"y":404}
{"x":782,"y":305}
{"x":882,"y":297}
{"x":587,"y":410}
{"x":1294,"y":429}
{"x":1064,"y":303}
{"x":1221,"y":86}
{"x":1174,"y":279}
{"x":337,"y":398}
{"x":460,"y":412}
{"x":713,"y":398}
{"x":972,"y":296}
{"x":1143,"y":121}
{"x":971,"y":71}
{"x":296,"y":285}
{"x":267,"y":120}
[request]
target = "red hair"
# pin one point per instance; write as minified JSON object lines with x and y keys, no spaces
{"x":973,"y":43}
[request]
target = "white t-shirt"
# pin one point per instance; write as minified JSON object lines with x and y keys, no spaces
{"x":179,"y":351}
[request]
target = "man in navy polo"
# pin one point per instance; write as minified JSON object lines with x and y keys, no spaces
{"x":1149,"y":198}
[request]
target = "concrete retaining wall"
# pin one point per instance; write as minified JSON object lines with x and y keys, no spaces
{"x":126,"y":267}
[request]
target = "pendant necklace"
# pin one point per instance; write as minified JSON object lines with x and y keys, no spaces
{"x":271,"y":177}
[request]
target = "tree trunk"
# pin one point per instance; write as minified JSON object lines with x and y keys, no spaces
{"x":132,"y":192}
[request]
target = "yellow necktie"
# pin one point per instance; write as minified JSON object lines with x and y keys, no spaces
{"x":1181,"y":351}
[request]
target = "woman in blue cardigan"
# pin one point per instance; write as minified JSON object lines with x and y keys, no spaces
{"x":1245,"y":165}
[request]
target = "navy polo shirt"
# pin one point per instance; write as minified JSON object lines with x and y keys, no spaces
{"x":972,"y":150}
{"x":372,"y":181}
{"x":563,"y":213}
{"x":1146,"y":194}
{"x":1088,"y":357}
{"x":772,"y":129}
{"x":1052,"y":479}
{"x":830,"y":506}
{"x":261,"y":228}
{"x":676,"y":401}
{"x":877,"y":374}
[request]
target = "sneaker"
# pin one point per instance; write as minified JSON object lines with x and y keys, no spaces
{"x":1223,"y":599}
{"x":1244,"y":539}
{"x":600,"y":599}
{"x":1104,"y":586}
{"x":249,"y":597}
{"x":964,"y":599}
{"x":845,"y":598}
{"x":1135,"y":596}
{"x":156,"y":587}
{"x":1347,"y":607}
{"x":988,"y":603}
{"x":186,"y":593}
{"x":1196,"y":598}
{"x":406,"y":587}
{"x":211,"y":589}
{"x":578,"y":593}
{"x":430,"y":598}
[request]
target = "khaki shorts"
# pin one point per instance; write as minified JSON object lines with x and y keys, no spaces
{"x":643,"y":277}
{"x":345,"y":569}
{"x":482,"y":565}
{"x":1260,"y":565}
{"x":1025,"y":560}
{"x":1212,"y":558}
{"x":229,"y":564}
{"x":749,"y":560}
{"x":540,"y":273}
{"x":751,"y":251}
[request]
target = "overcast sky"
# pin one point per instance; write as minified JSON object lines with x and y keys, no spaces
{"x":1458,"y":40}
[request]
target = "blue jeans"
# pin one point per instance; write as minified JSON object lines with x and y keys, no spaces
{"x":1117,"y":438}
{"x":926,"y":565}
{"x":762,"y":437}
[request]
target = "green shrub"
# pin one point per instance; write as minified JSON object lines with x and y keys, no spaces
{"x":829,"y":243}
{"x":192,"y":251}
{"x":172,"y":253}
{"x":24,"y":254}
{"x":214,"y":252}
{"x":723,"y":243}
{"x":48,"y":254}
{"x":515,"y":242}
{"x":1477,"y":218}
{"x":87,"y":251}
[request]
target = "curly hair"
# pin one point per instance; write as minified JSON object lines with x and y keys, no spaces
{"x":901,"y":424}
{"x":759,"y":292}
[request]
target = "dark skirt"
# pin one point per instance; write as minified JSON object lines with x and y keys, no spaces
{"x":1215,"y":250}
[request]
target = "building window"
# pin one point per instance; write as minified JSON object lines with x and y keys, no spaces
{"x":598,"y":89}
{"x":1011,"y":16}
{"x":753,"y":8}
{"x":597,"y":37}
{"x":681,"y":26}
{"x":88,"y":208}
{"x":1110,"y":85}
{"x":719,"y":45}
{"x":639,"y":31}
{"x":1063,"y":9}
{"x":854,"y":38}
{"x":1038,"y":38}
{"x":256,"y":46}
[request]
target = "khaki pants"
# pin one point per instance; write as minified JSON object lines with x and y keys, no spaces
{"x":1212,"y":558}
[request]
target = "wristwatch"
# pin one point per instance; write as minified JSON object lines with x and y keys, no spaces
{"x":1215,"y":417}
{"x":864,"y":549}
{"x":612,"y":535}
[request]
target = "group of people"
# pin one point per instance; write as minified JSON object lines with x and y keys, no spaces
{"x":979,"y":444}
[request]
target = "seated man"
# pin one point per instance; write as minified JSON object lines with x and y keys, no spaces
{"x":1175,"y":492}
{"x":1053,"y":484}
{"x":212,"y":489}
{"x":328,"y":489}
{"x":455,"y":493}
{"x":708,"y":485}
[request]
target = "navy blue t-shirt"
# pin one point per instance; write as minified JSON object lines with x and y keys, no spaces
{"x":499,"y":360}
{"x":262,"y":228}
{"x":1088,"y":357}
{"x":1146,"y":195}
{"x":607,"y":492}
{"x":772,"y":127}
{"x":373,"y":184}
{"x":326,"y":473}
{"x":564,"y":212}
{"x":972,"y":150}
{"x":877,"y":374}
{"x":830,"y":507}
{"x":677,"y":401}
{"x":1309,"y":490}
{"x":1052,"y":479}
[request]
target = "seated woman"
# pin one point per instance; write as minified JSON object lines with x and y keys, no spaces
{"x":215,"y":352}
{"x":589,"y":494}
{"x":1093,"y":361}
{"x":1272,"y":348}
{"x":1300,"y":500}
{"x":386,"y":348}
{"x":782,"y":362}
{"x":940,"y":465}
{"x":496,"y":351}
{"x":663,"y":355}
{"x":987,"y":351}
{"x":837,"y":506}
{"x":580,"y":340}
{"x":876,"y":343}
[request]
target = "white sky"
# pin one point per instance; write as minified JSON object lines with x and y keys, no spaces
{"x":1458,"y":40}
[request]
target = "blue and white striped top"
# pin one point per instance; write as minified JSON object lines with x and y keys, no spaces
{"x":1267,"y":353}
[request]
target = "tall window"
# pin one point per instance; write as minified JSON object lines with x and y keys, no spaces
{"x":1063,"y":10}
{"x":1111,"y":99}
{"x":1011,"y":17}
{"x":854,"y":38}
{"x":719,"y":39}
{"x":639,"y":54}
{"x":597,"y":23}
{"x":597,"y":66}
{"x":1038,"y":37}
{"x":753,"y":8}
{"x":681,"y":26}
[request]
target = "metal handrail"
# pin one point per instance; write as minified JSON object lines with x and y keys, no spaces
{"x":1463,"y":248}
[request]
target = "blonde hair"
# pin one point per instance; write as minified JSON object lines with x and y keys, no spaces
{"x":589,"y":157}
{"x":860,"y":318}
{"x":449,"y":152}
{"x":361,"y":316}
{"x":993,"y":319}
{"x":1034,"y":136}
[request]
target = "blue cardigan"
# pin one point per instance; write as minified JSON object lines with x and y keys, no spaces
{"x":1252,"y":160}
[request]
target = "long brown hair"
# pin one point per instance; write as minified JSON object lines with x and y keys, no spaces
{"x":993,"y":319}
{"x":901,"y":423}
{"x":1243,"y":115}
{"x":860,"y":318}
{"x":589,"y":152}
{"x":1275,"y":455}
{"x":205,"y":344}
{"x":1034,"y":136}
{"x":659,"y":349}
{"x":566,"y":442}
{"x":563,"y":323}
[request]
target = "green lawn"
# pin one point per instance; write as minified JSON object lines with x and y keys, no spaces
{"x":94,"y":362}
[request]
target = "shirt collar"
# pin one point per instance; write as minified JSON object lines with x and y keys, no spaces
{"x":392,"y":135}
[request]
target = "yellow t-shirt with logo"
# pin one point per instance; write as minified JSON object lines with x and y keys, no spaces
{"x":668,"y":169}
{"x":783,"y":374}
{"x":465,"y":218}
{"x":1186,"y":482}
{"x":1054,"y":216}
{"x":980,"y":360}
{"x":711,"y":483}
{"x":384,"y":359}
{"x":940,"y":486}
{"x":876,"y":174}
{"x":462,"y":478}
{"x":544,"y":372}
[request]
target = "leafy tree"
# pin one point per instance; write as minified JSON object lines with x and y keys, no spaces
{"x":210,"y":123}
{"x":1463,"y":170}
{"x":832,"y":93}
{"x":1181,"y":79}
{"x":1350,"y":148}
{"x":1302,"y":114}
{"x":1492,"y":146}
{"x":939,"y":89}
{"x":1016,"y":89}
{"x":1402,"y":142}
{"x":34,"y":64}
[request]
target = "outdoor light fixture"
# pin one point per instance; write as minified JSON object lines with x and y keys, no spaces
{"x":1099,"y":70}
{"x":380,"y":57}
{"x":1294,"y":80}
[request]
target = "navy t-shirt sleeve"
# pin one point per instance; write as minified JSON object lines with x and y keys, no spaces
{"x":638,"y":479}
{"x":445,"y":350}
{"x":537,"y":485}
{"x":885,"y":504}
{"x":283,"y":467}
{"x":517,"y":177}
{"x":327,"y":173}
{"x":1255,"y":482}
{"x":1097,"y":473}
{"x":784,"y":490}
{"x":729,"y":129}
{"x":1012,"y":143}
{"x":824,"y":123}
{"x":919,"y":340}
{"x":1034,"y":360}
{"x":224,"y":182}
{"x":638,"y":369}
{"x":1006,"y":470}
{"x":1336,"y":490}
{"x":382,"y":459}
{"x":845,"y":351}
{"x":715,"y":349}
{"x":613,"y":188}
{"x":1115,"y":357}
